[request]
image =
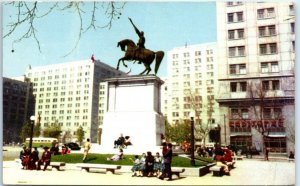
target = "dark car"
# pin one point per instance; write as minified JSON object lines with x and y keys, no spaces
{"x":73,"y":146}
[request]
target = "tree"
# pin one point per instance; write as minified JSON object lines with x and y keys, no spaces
{"x":179,"y":132}
{"x":25,"y":131}
{"x":29,"y":13}
{"x":80,"y":134}
{"x":37,"y":130}
{"x":53,"y":131}
{"x":202,"y":128}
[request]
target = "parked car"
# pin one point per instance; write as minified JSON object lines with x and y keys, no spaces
{"x":73,"y":146}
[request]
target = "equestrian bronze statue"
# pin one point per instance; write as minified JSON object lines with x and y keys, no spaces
{"x":139,"y":53}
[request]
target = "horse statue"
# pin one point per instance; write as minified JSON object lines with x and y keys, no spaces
{"x":142,"y":55}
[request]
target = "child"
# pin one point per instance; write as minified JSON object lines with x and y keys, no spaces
{"x":157,"y":164}
{"x":136,"y":164}
{"x":142,"y":164}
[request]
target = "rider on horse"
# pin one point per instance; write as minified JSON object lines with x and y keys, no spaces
{"x":142,"y":40}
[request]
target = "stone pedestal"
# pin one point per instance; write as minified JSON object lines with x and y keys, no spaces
{"x":133,"y":109}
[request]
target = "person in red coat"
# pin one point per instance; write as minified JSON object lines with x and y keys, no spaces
{"x":227,"y":154}
{"x":45,"y":160}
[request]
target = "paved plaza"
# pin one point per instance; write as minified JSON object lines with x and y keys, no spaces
{"x":247,"y":172}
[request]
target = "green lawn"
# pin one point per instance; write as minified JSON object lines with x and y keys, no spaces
{"x":102,"y":159}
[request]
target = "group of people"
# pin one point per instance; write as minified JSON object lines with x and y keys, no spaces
{"x":149,"y":165}
{"x":122,"y":142}
{"x":30,"y":159}
{"x":222,"y":156}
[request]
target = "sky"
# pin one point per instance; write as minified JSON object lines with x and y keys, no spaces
{"x":166,"y":25}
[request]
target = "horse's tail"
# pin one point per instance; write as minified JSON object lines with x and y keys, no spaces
{"x":159,"y":57}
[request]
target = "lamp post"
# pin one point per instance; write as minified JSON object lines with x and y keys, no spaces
{"x":32,"y":119}
{"x":192,"y":139}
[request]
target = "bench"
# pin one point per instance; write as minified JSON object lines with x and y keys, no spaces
{"x":230,"y":164}
{"x":217,"y":171}
{"x":57,"y":165}
{"x":87,"y":167}
{"x":177,"y":172}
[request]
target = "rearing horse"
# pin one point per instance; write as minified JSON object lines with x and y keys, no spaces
{"x":133,"y":53}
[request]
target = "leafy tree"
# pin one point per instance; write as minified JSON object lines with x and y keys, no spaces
{"x":37,"y":130}
{"x":80,"y":134}
{"x":178,"y":132}
{"x":25,"y":131}
{"x":53,"y":131}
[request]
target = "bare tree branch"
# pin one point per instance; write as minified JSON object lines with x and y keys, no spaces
{"x":27,"y":14}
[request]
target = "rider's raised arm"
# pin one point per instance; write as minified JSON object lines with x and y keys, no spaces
{"x":135,"y":28}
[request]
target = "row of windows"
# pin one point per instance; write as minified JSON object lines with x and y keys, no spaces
{"x":267,"y":113}
{"x":264,"y":49}
{"x":266,"y":67}
{"x":197,"y":53}
{"x":266,"y":85}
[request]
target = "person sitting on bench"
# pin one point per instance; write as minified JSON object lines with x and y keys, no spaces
{"x":119,"y":142}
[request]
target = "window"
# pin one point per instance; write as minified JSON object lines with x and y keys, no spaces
{"x":265,"y":13}
{"x":233,"y":86}
{"x":237,"y":69}
{"x":273,"y":48}
{"x":236,"y":34}
{"x":240,"y":16}
{"x":238,"y":51}
{"x":263,"y":49}
{"x":275,"y":85}
{"x":267,"y":31}
{"x":267,"y":113}
{"x":265,"y":85}
{"x":241,"y":33}
{"x":231,"y":51}
{"x":271,"y":85}
{"x":270,"y":48}
{"x":293,"y":27}
{"x":231,"y":34}
{"x":264,"y":67}
{"x":245,"y":114}
{"x":234,"y":113}
{"x":243,"y":86}
{"x":269,"y":67}
{"x":230,"y":17}
{"x":274,"y":67}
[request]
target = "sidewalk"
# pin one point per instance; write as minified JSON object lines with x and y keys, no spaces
{"x":247,"y":172}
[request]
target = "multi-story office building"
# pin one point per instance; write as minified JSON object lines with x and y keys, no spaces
{"x":18,"y":106}
{"x":256,"y":47}
{"x":164,"y":96}
{"x":68,"y":94}
{"x":192,"y":85}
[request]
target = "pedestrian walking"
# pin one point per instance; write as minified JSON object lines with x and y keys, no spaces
{"x":167,"y":164}
{"x":86,"y":148}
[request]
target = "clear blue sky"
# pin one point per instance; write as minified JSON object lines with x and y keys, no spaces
{"x":166,"y":25}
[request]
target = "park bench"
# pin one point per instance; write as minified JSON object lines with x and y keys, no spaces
{"x":57,"y":165}
{"x":230,"y":164}
{"x":87,"y":167}
{"x":177,"y":172}
{"x":217,"y":171}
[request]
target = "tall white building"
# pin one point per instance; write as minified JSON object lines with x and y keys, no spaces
{"x":192,"y":84}
{"x":256,"y":56}
{"x":68,"y":94}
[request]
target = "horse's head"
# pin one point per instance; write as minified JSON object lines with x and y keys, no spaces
{"x":126,"y":42}
{"x":120,"y":44}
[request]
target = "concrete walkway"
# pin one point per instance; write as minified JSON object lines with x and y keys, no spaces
{"x":247,"y":172}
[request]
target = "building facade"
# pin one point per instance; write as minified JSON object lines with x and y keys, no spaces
{"x":256,"y":56}
{"x":191,"y":86}
{"x":18,"y":106}
{"x":67,"y":94}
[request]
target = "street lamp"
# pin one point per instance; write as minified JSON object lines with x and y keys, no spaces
{"x":192,"y":115}
{"x":32,"y":119}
